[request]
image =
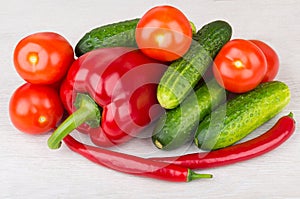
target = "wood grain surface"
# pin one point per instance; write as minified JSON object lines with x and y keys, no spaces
{"x":28,"y":169}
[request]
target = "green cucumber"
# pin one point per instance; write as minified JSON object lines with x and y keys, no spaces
{"x":183,"y":74}
{"x":177,"y":126}
{"x":233,"y":121}
{"x":120,"y":34}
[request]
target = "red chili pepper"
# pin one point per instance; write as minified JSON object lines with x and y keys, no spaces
{"x":133,"y":164}
{"x":262,"y":144}
{"x":109,"y":93}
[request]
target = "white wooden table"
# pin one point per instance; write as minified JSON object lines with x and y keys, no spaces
{"x":28,"y":169}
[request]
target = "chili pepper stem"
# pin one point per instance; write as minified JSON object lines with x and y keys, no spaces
{"x":87,"y":112}
{"x":192,"y":175}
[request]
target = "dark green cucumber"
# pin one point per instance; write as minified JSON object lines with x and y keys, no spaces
{"x":233,"y":121}
{"x":177,"y":126}
{"x":120,"y":34}
{"x":183,"y":74}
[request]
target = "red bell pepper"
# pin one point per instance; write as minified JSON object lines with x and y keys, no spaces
{"x":110,"y":94}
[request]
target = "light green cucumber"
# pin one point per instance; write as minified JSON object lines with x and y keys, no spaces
{"x":233,"y":121}
{"x":183,"y":74}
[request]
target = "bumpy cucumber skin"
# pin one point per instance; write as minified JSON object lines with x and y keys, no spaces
{"x":177,"y":126}
{"x":233,"y":121}
{"x":111,"y":35}
{"x":120,"y":34}
{"x":183,"y":74}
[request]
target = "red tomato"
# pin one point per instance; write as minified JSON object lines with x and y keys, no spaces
{"x":272,"y":60}
{"x":43,"y":58}
{"x":35,"y":109}
{"x":240,"y":66}
{"x":164,"y":33}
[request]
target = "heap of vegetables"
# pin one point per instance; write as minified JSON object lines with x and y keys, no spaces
{"x":155,"y":69}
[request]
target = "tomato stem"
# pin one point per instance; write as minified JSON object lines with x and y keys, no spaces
{"x":87,"y":112}
{"x":290,"y":115}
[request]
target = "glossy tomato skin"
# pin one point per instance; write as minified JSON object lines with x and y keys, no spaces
{"x":43,"y":57}
{"x":272,"y":60}
{"x":164,"y":33}
{"x":239,"y":66}
{"x":35,"y":109}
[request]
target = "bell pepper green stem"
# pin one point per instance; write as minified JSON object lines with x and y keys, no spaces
{"x":87,"y":112}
